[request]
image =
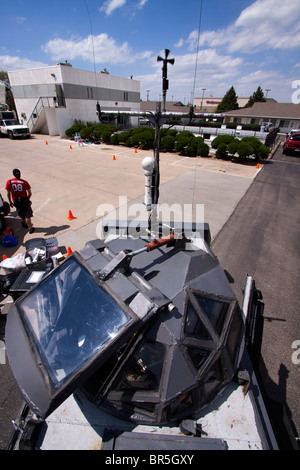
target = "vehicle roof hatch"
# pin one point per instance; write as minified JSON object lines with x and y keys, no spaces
{"x":65,"y":328}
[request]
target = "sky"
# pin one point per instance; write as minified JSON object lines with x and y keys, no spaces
{"x":216,"y":44}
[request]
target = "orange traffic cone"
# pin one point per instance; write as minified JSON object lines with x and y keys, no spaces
{"x":257,"y":166}
{"x":70,"y":147}
{"x":4,"y":257}
{"x":114,"y":157}
{"x":69,"y":251}
{"x":46,"y":142}
{"x":135,"y":150}
{"x":71,"y":216}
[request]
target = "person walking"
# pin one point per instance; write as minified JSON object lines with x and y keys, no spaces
{"x":19,"y":194}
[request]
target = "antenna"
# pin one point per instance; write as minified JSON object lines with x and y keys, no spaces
{"x":98,"y":109}
{"x":165,"y":75}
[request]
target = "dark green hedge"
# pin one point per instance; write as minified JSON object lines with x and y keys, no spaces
{"x":227,"y":146}
{"x":92,"y":132}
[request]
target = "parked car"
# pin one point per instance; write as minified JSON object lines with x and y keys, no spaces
{"x":293,"y":131}
{"x":292,"y":144}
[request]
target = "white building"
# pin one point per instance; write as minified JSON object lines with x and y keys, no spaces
{"x":286,"y":116}
{"x":50,"y":99}
{"x":209,"y":105}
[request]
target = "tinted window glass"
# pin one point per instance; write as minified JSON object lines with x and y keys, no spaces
{"x":215,"y":311}
{"x":197,"y":356}
{"x":213,"y":378}
{"x":70,"y":318}
{"x":194,"y":326}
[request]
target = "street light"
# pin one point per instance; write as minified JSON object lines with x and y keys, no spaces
{"x":164,"y":75}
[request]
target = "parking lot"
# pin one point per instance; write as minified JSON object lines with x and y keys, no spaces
{"x":80,"y":179}
{"x":65,"y":177}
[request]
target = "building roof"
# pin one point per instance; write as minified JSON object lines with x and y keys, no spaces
{"x":268,"y":109}
{"x":171,"y":106}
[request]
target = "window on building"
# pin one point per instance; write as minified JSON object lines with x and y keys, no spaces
{"x":125,"y":95}
{"x":89,"y":92}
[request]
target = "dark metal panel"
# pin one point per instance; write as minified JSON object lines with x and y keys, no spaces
{"x":177,"y":380}
{"x":24,"y":368}
{"x":116,"y":440}
{"x":214,"y":282}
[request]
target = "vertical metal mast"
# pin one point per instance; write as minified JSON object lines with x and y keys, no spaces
{"x":158,"y":121}
{"x":165,"y":75}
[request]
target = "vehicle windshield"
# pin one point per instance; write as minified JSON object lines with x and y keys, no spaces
{"x":11,"y":122}
{"x":70,"y":318}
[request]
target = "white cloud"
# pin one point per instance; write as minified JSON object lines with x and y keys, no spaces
{"x":111,"y":5}
{"x":141,"y":4}
{"x":211,"y":69}
{"x":264,"y":25}
{"x":9,"y":63}
{"x":179,"y":43}
{"x":261,"y":77}
{"x":107,"y":50}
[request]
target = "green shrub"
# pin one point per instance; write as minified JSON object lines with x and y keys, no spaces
{"x":184,"y":135}
{"x":259,"y":149}
{"x":106,"y":136}
{"x":181,"y":144}
{"x":114,"y":139}
{"x":87,"y":132}
{"x":168,"y":143}
{"x":77,"y":127}
{"x":103,"y":131}
{"x":172,"y":132}
{"x":203,"y":150}
{"x":263,"y":152}
{"x":128,"y":142}
{"x":222,"y":139}
{"x":137,"y":130}
{"x":245,"y":150}
{"x":222,"y":151}
{"x":135,"y":139}
{"x":233,"y":146}
{"x":147,"y":138}
{"x":123,"y":136}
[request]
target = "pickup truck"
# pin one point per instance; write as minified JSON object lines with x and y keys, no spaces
{"x":12,"y":128}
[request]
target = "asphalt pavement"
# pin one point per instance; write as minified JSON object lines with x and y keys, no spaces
{"x":261,"y":238}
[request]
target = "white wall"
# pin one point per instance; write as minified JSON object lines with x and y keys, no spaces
{"x":30,"y":84}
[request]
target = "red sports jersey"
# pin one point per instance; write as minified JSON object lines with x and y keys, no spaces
{"x":18,"y":187}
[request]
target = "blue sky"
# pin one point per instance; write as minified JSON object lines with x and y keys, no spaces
{"x":242,"y":43}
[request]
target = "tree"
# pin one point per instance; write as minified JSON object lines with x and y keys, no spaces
{"x":229,"y":102}
{"x":257,"y":96}
{"x":9,"y":96}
